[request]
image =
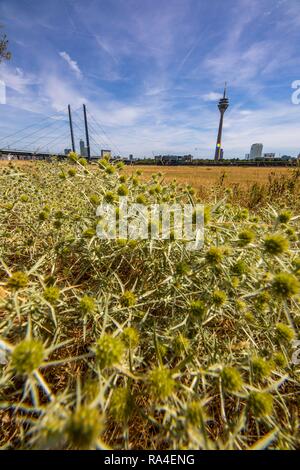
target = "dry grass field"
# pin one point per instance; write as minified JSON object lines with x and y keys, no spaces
{"x":207,"y":176}
{"x":202,"y":176}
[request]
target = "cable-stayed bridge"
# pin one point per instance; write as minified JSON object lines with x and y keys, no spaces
{"x":57,"y":134}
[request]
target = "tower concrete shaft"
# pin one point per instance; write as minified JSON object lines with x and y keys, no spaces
{"x":222,"y":105}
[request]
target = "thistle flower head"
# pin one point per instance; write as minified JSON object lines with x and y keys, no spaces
{"x":51,"y":294}
{"x":276,"y":244}
{"x":109,"y":351}
{"x":219,"y":297}
{"x":130,"y":337}
{"x":197,"y":309}
{"x":260,"y":403}
{"x":71,"y":172}
{"x":128,"y":299}
{"x":261,"y":368}
{"x":17,"y":280}
{"x":231,"y":379}
{"x":123,"y":190}
{"x":141,"y":199}
{"x":279,"y":359}
{"x":239,"y":268}
{"x":284,"y":333}
{"x":284,"y":217}
{"x":95,"y":199}
{"x":285,"y":285}
{"x":84,"y":427}
{"x":121,"y":405}
{"x":245,"y":237}
{"x":214,"y":255}
{"x":110,"y":169}
{"x":109,"y":197}
{"x":87,"y":304}
{"x":82,"y":161}
{"x":161,"y":382}
{"x":27,"y":356}
{"x":73,"y":156}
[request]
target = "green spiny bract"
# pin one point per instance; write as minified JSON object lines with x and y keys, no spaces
{"x":27,"y":356}
{"x":261,"y":368}
{"x":284,"y":333}
{"x":122,"y":190}
{"x":284,"y":217}
{"x":109,"y":351}
{"x":161,"y":383}
{"x":84,"y":427}
{"x":239,"y":268}
{"x":128,"y":299}
{"x":285,"y":285}
{"x":279,"y":359}
{"x":130,"y":337}
{"x":245,"y":237}
{"x":87,"y":304}
{"x":276,"y":244}
{"x":261,"y":404}
{"x":51,"y":294}
{"x":197,"y":309}
{"x":218,"y":297}
{"x":214,"y":255}
{"x":17,"y":280}
{"x":231,"y":379}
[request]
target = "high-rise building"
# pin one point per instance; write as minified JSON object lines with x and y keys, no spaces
{"x":222,"y":105}
{"x":256,"y":151}
{"x":83,"y":148}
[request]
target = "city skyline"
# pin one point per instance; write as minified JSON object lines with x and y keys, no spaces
{"x":151,"y":72}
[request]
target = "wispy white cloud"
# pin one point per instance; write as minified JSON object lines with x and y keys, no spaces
{"x":212,"y":96}
{"x":72,"y":63}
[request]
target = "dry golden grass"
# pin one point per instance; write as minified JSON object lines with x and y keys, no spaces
{"x":206,"y":176}
{"x":198,"y":177}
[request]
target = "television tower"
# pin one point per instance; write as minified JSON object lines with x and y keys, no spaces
{"x":223,"y":105}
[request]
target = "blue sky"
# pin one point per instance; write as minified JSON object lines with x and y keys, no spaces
{"x":150,"y":71}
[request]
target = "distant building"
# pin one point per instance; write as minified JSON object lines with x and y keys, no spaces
{"x":256,"y":151}
{"x":67,"y":151}
{"x":247,"y":156}
{"x":269,"y":156}
{"x":83,"y":149}
{"x":173,"y":159}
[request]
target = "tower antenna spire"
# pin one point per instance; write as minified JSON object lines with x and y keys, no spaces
{"x":222,"y":105}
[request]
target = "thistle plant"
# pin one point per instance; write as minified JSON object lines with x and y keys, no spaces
{"x":173,"y":348}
